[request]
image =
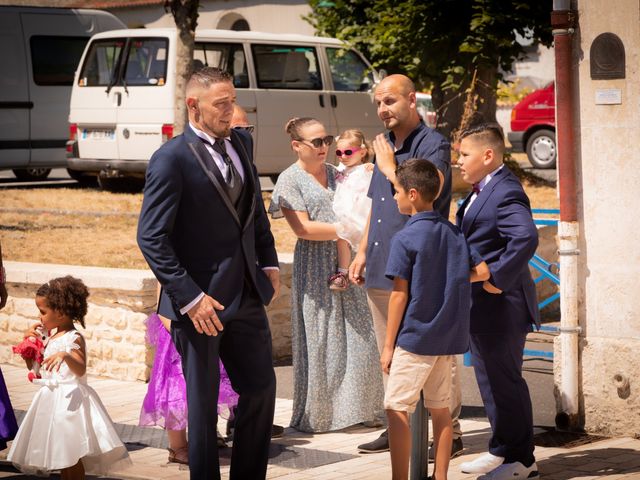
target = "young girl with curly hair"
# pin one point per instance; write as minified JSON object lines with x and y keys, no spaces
{"x":66,"y":427}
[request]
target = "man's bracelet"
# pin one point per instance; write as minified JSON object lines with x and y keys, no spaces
{"x":3,"y":276}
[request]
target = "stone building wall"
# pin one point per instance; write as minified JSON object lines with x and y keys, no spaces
{"x":609,"y":258}
{"x":119,"y":303}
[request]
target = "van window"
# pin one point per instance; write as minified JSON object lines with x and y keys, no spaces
{"x":226,"y":56}
{"x":146,"y":62}
{"x":287,"y":67}
{"x":348,"y":71}
{"x":101,"y":62}
{"x":54,"y":59}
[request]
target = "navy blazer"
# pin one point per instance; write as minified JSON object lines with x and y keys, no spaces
{"x":499,"y":226}
{"x":192,"y":236}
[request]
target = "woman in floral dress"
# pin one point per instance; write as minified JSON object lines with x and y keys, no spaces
{"x":337,"y":379}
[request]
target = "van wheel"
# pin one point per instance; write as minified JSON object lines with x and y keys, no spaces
{"x":121,"y":184}
{"x":541,"y":149}
{"x":31,"y":174}
{"x":82,"y":178}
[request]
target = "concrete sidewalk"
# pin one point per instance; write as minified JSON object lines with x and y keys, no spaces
{"x":322,"y":456}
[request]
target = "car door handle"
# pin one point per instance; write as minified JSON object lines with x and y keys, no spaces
{"x":334,"y":101}
{"x":118,"y":98}
{"x":321,"y":98}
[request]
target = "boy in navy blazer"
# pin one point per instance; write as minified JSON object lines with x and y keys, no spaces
{"x":496,"y":220}
{"x":428,"y":318}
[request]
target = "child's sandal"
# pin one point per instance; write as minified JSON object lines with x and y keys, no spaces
{"x":179,"y":455}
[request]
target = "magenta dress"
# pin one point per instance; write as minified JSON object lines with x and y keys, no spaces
{"x":8,"y":424}
{"x":165,"y":403}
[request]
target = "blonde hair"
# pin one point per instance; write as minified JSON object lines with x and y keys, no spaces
{"x":358,"y":141}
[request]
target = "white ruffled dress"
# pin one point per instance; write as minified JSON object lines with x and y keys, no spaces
{"x":351,"y":204}
{"x":66,"y":422}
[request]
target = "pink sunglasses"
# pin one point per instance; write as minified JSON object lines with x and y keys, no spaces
{"x":348,"y":152}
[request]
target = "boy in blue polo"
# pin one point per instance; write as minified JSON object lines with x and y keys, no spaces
{"x":428,"y":319}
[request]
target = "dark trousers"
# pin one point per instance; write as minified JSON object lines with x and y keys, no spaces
{"x":245,"y":349}
{"x":497,"y":361}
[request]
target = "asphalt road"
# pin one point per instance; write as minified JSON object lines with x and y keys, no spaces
{"x":60,"y":178}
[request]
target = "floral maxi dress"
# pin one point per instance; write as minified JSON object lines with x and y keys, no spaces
{"x":337,"y":377}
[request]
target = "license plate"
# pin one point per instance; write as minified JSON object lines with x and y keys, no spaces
{"x":98,"y":134}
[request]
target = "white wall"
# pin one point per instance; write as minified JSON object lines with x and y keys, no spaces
{"x":609,"y":262}
{"x":282,"y":17}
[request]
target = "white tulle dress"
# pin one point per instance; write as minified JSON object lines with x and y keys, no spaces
{"x":66,"y":422}
{"x":351,"y":204}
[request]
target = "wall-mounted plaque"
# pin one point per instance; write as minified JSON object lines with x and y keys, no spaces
{"x":607,"y":57}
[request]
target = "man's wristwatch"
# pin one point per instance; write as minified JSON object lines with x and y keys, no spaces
{"x":3,"y":276}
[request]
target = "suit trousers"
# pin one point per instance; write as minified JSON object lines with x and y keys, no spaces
{"x":378,"y":301}
{"x":497,"y":361}
{"x":244,"y":346}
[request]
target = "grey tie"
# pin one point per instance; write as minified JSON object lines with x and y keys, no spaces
{"x":233,"y":179}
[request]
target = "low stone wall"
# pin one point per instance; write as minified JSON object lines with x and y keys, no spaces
{"x":119,"y":303}
{"x":122,"y":299}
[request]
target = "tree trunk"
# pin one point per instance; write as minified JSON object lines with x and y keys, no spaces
{"x":450,"y":103}
{"x":185,"y":14}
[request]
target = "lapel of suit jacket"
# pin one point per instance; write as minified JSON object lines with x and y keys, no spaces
{"x":481,"y":199}
{"x":201,"y":153}
{"x":461,"y":209}
{"x":249,"y":181}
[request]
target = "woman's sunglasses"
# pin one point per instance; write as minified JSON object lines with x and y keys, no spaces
{"x":317,"y":142}
{"x":348,"y":152}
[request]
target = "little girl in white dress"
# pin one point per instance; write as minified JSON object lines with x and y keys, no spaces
{"x":350,"y":202}
{"x":66,"y":427}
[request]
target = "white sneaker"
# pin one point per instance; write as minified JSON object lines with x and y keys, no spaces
{"x":483,"y":464}
{"x":512,"y":471}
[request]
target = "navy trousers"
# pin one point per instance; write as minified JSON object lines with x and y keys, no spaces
{"x":245,"y":349}
{"x":497,"y":361}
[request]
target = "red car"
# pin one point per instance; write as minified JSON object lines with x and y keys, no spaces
{"x":533,"y":127}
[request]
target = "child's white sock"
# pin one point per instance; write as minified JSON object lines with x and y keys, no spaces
{"x":343,"y":270}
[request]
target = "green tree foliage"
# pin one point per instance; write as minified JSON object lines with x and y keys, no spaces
{"x":439,"y":43}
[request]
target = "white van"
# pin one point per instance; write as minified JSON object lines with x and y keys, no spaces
{"x":40,"y":49}
{"x":122,"y":105}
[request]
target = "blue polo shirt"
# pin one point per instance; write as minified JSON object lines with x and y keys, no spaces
{"x":432,"y":255}
{"x":386,"y":220}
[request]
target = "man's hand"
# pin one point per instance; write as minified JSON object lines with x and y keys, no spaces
{"x":274,"y":278}
{"x":3,"y":295}
{"x":204,"y":317}
{"x":490,"y":288}
{"x":385,"y":158}
{"x":356,"y":269}
{"x":385,"y":359}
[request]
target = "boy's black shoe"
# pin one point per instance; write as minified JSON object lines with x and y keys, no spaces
{"x":380,"y":444}
{"x":456,"y":449}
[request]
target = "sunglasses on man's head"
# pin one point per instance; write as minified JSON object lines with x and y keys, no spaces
{"x":348,"y":152}
{"x":317,"y":142}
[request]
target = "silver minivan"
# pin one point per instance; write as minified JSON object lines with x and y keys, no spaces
{"x":122,"y":105}
{"x":40,"y":49}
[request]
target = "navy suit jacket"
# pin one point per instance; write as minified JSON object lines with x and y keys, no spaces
{"x":500,"y":228}
{"x":192,"y":236}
